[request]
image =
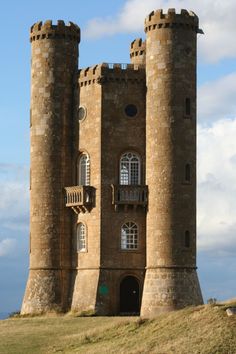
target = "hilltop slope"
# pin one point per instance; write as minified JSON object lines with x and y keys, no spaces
{"x":203,"y":329}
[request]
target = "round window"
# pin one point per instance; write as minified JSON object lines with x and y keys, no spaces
{"x":82,"y":113}
{"x":131,"y":110}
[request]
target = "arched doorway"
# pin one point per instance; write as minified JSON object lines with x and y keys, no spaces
{"x":129,"y":296}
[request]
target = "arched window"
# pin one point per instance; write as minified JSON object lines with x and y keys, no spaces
{"x":83,"y":170}
{"x":81,"y":237}
{"x":187,"y":239}
{"x":129,"y":169}
{"x":129,"y":236}
{"x":187,"y":172}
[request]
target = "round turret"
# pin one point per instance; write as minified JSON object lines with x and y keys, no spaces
{"x":171,"y":280}
{"x":138,"y":51}
{"x":47,"y":30}
{"x":157,"y":19}
{"x":54,"y":67}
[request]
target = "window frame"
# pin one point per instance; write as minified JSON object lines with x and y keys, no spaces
{"x":81,"y":227}
{"x":83,"y":176}
{"x":126,"y":180}
{"x":128,"y":239}
{"x":84,"y":111}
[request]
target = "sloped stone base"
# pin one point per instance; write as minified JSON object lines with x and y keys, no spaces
{"x":43,"y":292}
{"x":167,"y":289}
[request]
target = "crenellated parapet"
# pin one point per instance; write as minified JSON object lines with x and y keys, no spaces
{"x":46,"y":30}
{"x":138,"y":51}
{"x":103,"y":73}
{"x":158,"y":19}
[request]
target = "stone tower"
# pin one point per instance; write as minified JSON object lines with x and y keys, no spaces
{"x":109,"y":128}
{"x":113,"y":173}
{"x":171,"y":280}
{"x":138,"y":51}
{"x":53,"y":71}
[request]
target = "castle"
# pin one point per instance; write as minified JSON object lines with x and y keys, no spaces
{"x":113,"y":173}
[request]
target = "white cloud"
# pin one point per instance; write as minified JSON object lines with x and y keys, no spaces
{"x":130,"y":19}
{"x":216,"y":19}
{"x":218,"y":22}
{"x":7,"y":246}
{"x":14,"y":198}
{"x":216,"y":99}
{"x":14,"y":201}
{"x":217,"y":187}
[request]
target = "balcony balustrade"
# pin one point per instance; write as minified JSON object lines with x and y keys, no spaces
{"x":79,"y":198}
{"x":126,"y":195}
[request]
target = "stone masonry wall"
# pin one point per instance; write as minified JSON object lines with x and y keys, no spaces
{"x":120,"y":134}
{"x":86,"y":264}
{"x":105,"y":133}
{"x":170,"y":147}
{"x":54,"y":65}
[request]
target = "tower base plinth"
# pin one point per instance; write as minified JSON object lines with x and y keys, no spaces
{"x":43,"y":292}
{"x":168,"y":289}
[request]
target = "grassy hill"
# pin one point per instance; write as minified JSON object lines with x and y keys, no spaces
{"x":203,"y":330}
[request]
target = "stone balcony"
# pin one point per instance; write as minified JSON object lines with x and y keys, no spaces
{"x":79,"y":198}
{"x":129,"y":195}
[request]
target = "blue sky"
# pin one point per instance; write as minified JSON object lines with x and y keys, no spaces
{"x":107,"y":28}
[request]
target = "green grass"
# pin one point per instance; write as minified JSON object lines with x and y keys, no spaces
{"x":195,"y":330}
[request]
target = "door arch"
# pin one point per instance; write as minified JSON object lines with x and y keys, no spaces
{"x":130,"y":296}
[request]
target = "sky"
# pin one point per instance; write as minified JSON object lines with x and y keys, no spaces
{"x":107,"y":28}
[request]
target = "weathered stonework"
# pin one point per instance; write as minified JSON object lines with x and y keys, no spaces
{"x":171,"y":280}
{"x":76,"y":113}
{"x":138,"y":51}
{"x":53,"y":69}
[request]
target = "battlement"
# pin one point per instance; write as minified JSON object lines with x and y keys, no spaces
{"x":138,"y":44}
{"x":111,"y":72}
{"x":158,"y":19}
{"x":45,"y":30}
{"x":137,"y":47}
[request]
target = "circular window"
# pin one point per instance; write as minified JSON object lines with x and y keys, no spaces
{"x":82,"y":113}
{"x":131,"y":110}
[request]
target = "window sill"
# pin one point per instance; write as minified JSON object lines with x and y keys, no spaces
{"x":130,"y":251}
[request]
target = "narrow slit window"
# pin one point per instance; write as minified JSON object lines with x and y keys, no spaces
{"x":187,"y":173}
{"x":187,"y":106}
{"x":187,"y":239}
